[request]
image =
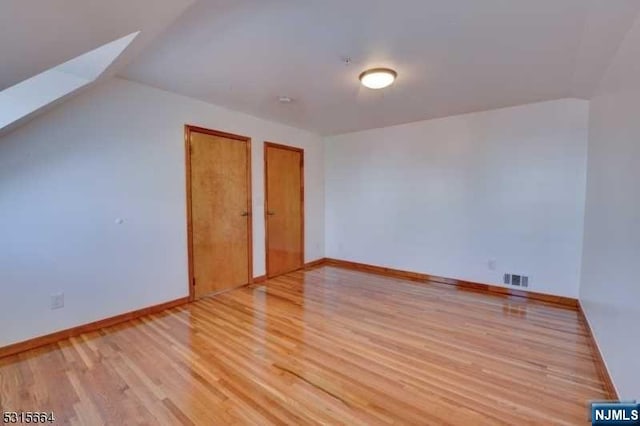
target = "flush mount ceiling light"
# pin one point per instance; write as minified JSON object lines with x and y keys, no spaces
{"x":378,"y":78}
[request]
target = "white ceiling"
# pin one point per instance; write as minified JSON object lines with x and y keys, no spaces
{"x":452,"y":56}
{"x":36,"y":35}
{"x":23,"y":101}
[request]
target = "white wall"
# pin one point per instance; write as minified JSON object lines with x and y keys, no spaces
{"x":610,"y":289}
{"x":446,"y":196}
{"x":116,"y":151}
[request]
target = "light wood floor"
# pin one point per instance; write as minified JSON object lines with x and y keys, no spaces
{"x":323,"y":346}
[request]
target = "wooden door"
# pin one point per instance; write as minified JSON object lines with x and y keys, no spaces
{"x":284,"y":208}
{"x":219,"y":191}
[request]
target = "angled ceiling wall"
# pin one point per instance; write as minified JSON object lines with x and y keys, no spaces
{"x":38,"y":35}
{"x":24,"y":100}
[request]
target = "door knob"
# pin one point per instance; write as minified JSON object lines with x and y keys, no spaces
{"x":270,"y":213}
{"x":244,"y":214}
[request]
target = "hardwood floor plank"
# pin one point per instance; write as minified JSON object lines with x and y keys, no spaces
{"x":320,"y":346}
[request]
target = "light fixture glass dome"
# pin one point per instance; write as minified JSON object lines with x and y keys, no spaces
{"x":378,"y":78}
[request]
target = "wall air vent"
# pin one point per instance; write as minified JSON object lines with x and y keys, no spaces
{"x":516,"y":280}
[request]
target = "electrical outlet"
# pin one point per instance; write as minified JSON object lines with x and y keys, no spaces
{"x":57,"y":301}
{"x":492,"y":264}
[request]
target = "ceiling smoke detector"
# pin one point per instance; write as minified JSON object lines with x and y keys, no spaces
{"x":285,"y":100}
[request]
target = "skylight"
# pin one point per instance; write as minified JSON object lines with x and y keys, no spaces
{"x":26,"y":98}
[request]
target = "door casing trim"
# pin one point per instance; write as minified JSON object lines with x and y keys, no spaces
{"x":266,"y":198}
{"x":188,"y":129}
